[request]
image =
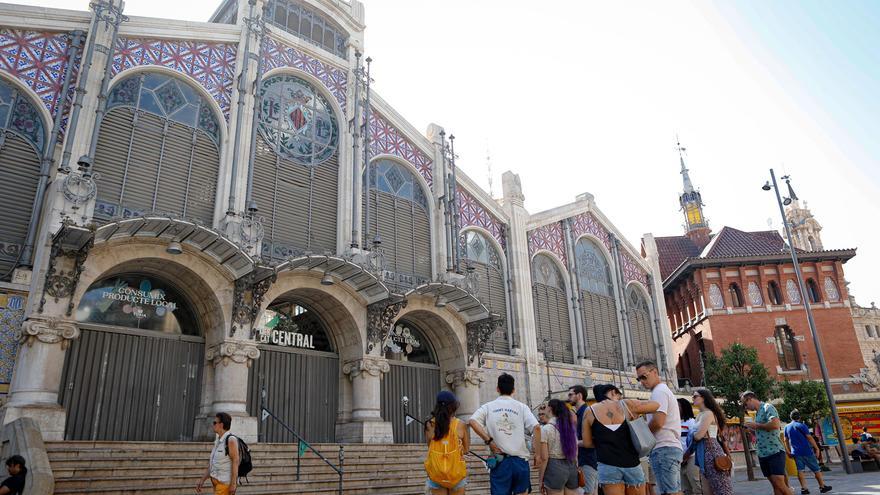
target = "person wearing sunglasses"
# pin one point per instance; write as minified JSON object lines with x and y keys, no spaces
{"x":666,"y":425}
{"x":223,"y":468}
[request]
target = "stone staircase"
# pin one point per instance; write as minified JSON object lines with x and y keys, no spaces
{"x":135,"y":468}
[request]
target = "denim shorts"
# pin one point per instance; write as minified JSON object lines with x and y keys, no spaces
{"x":805,"y":462}
{"x":773,"y":465}
{"x":512,"y":475}
{"x":431,"y":485}
{"x":666,"y":465}
{"x":591,"y":476}
{"x":613,"y":475}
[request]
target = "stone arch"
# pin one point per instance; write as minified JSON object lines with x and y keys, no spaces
{"x":35,"y":102}
{"x":602,"y":312}
{"x":342,"y":311}
{"x":559,"y":266}
{"x":443,"y":327}
{"x":207,"y":286}
{"x":186,"y":79}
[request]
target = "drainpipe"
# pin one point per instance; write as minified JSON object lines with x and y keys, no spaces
{"x":355,"y":169}
{"x":80,"y":90}
{"x":453,"y":209}
{"x":511,"y":333}
{"x":659,"y":348}
{"x":49,"y":151}
{"x":250,"y":204}
{"x":242,"y":90}
{"x":367,"y":166}
{"x":575,"y":289}
{"x":447,"y":211}
{"x":89,"y":158}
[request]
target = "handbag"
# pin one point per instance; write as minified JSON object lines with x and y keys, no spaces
{"x":639,"y":432}
{"x":723,"y":461}
{"x":582,"y":481}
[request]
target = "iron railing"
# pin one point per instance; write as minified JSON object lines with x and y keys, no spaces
{"x":265,"y":413}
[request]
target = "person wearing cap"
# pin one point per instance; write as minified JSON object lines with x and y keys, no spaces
{"x":444,"y":428}
{"x":503,"y":424}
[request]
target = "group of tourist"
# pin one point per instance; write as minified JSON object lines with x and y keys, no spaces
{"x":582,"y":449}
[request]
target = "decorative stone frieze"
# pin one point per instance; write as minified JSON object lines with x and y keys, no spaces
{"x":48,"y":331}
{"x":367,"y":365}
{"x":464,"y":377}
{"x":241,"y":352}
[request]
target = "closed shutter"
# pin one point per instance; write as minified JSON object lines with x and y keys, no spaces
{"x":111,"y":156}
{"x":552,"y":323}
{"x":281,"y":189}
{"x":491,"y":292}
{"x":406,"y":236}
{"x":422,"y":243}
{"x":600,"y":320}
{"x":19,"y":174}
{"x":643,"y":337}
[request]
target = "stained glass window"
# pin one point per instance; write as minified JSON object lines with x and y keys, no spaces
{"x":310,"y":26}
{"x":594,"y":273}
{"x":297,"y":121}
{"x":755,"y":294}
{"x":393,"y":178}
{"x":831,"y":290}
{"x":715,"y":297}
{"x":167,"y":97}
{"x":794,"y":295}
{"x":545,"y":272}
{"x":17,"y":114}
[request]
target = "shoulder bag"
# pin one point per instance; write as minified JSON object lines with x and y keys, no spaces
{"x":639,"y":432}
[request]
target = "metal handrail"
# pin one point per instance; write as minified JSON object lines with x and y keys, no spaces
{"x":339,"y":470}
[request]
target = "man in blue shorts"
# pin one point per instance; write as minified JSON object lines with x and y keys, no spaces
{"x":503,"y":425}
{"x":771,"y":452}
{"x":801,"y":447}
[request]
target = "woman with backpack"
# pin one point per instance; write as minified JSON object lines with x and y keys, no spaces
{"x":606,"y":428}
{"x":556,"y":453}
{"x":448,"y":441}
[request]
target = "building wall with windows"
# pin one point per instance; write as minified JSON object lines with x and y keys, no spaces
{"x":866,"y":320}
{"x":192,"y":203}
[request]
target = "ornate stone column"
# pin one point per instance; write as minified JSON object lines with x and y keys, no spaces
{"x":230,"y":361}
{"x":36,"y":379}
{"x":465,"y":384}
{"x":367,"y":425}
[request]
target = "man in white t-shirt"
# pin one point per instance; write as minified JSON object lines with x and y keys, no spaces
{"x":666,"y":426}
{"x":503,"y":425}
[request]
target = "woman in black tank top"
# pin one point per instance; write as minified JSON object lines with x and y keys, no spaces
{"x":606,"y":430}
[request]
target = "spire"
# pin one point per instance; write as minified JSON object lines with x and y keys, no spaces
{"x":686,"y":179}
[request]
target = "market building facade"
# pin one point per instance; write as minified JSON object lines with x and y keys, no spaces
{"x":196,"y":222}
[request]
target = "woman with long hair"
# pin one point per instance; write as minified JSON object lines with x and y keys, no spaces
{"x":556,"y":454}
{"x":710,"y":424}
{"x":448,"y":441}
{"x":606,"y":429}
{"x":691,"y":483}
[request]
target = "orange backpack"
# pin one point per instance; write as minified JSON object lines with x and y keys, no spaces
{"x":445,"y":464}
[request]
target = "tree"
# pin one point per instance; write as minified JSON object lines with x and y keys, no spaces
{"x":735,"y":371}
{"x":807,"y":397}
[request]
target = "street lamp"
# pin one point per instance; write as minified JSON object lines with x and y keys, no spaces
{"x":800,"y":279}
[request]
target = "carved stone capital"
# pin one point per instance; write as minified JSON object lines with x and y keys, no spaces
{"x":366,"y":366}
{"x":241,"y":352}
{"x":467,"y":377}
{"x":48,"y":331}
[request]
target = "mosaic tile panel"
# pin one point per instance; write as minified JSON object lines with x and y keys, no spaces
{"x":386,"y":139}
{"x":474,"y":214}
{"x":831,"y":290}
{"x":550,"y":238}
{"x":11,"y":317}
{"x":211,"y":64}
{"x":794,"y":294}
{"x":279,"y":55}
{"x":586,"y":223}
{"x":39,"y":60}
{"x":715,"y":297}
{"x":632,"y":270}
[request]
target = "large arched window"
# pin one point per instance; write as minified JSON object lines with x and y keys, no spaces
{"x":551,"y":310}
{"x":399,"y":216}
{"x":643,"y":341}
{"x":599,"y":305}
{"x":296,"y":169}
{"x":480,"y":255}
{"x":309,"y":25}
{"x":158,"y":151}
{"x":22,"y":139}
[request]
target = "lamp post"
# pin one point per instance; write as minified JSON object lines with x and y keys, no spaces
{"x":804,"y":297}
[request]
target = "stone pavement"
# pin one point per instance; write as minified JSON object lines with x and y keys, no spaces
{"x":854,"y":484}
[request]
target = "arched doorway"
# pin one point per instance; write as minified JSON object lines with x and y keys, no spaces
{"x":135,"y":373}
{"x":297,"y":375}
{"x":415,"y":374}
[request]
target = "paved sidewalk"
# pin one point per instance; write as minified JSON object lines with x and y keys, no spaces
{"x":854,"y":484}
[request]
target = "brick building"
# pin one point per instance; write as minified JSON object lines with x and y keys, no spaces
{"x":737,"y":286}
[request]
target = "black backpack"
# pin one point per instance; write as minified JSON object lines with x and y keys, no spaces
{"x":245,"y":465}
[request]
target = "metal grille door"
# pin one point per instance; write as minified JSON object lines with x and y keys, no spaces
{"x":302,"y":389}
{"x":420,"y":384}
{"x":127,"y":386}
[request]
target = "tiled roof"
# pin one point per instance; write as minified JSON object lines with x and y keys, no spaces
{"x":672,"y":251}
{"x":733,"y":243}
